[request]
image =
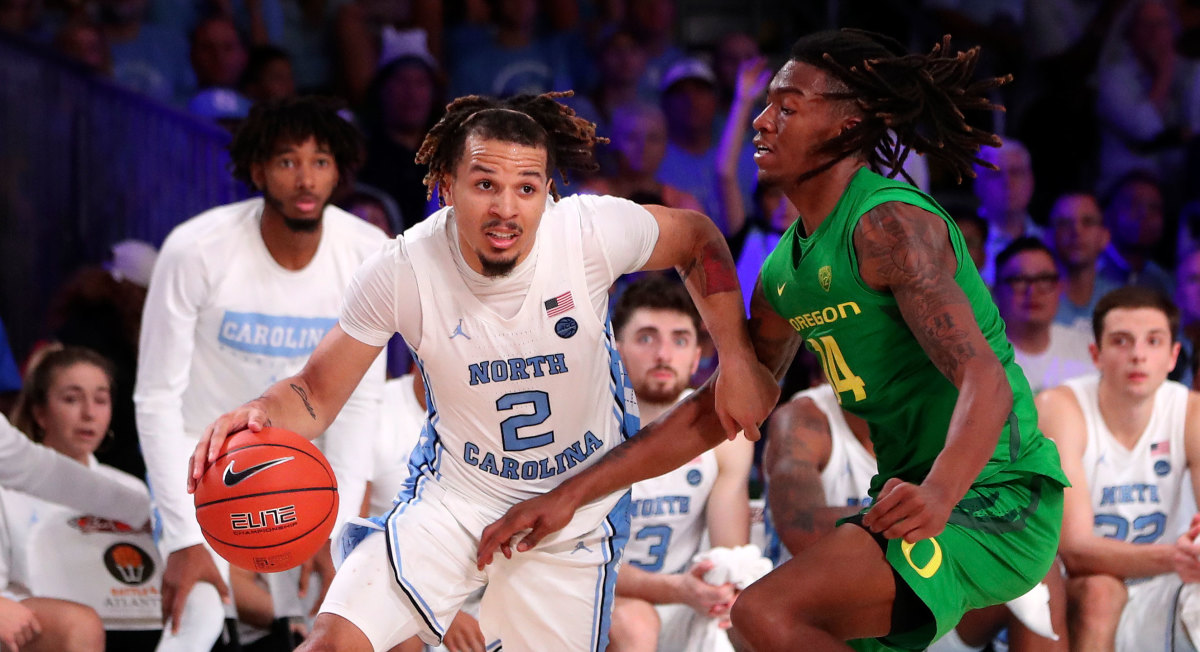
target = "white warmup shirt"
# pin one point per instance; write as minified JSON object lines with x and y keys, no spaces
{"x":400,"y":426}
{"x":526,"y":387}
{"x":1136,"y":492}
{"x":222,"y":322}
{"x":53,"y":551}
{"x":42,"y":472}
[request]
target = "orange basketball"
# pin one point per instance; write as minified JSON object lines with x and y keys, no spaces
{"x":269,"y":500}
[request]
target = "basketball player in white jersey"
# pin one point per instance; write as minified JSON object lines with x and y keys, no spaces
{"x":1128,"y":438}
{"x":240,"y":297}
{"x":502,"y":296}
{"x":819,"y":461}
{"x":662,"y":599}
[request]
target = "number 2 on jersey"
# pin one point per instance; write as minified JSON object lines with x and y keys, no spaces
{"x":836,"y":370}
{"x":509,"y":427}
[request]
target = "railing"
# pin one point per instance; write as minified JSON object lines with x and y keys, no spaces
{"x":85,"y":163}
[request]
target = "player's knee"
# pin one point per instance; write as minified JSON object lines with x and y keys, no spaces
{"x":635,"y":626}
{"x":756,"y":620}
{"x":86,"y":632}
{"x":1097,"y":600}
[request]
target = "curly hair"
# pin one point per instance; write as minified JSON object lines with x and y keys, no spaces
{"x":531,"y":120}
{"x":292,"y":121}
{"x":909,"y":101}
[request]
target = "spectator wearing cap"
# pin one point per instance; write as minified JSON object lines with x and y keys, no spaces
{"x":689,"y":100}
{"x":224,"y":106}
{"x":509,"y":57}
{"x":403,"y":102}
{"x":218,"y":61}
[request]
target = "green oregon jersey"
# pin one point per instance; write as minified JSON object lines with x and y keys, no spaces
{"x":871,"y":357}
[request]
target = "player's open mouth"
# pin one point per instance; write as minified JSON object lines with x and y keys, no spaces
{"x":501,"y":239}
{"x":306,"y":205}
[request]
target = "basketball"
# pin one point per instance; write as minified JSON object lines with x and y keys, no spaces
{"x":269,"y":500}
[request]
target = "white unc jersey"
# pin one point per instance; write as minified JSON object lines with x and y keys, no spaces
{"x":518,"y":404}
{"x":1136,"y":492}
{"x":668,"y":516}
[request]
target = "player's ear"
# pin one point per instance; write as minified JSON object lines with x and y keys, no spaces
{"x":445,"y":189}
{"x":256,"y":175}
{"x":850,"y":122}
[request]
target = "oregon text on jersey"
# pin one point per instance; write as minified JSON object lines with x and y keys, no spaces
{"x":825,"y":315}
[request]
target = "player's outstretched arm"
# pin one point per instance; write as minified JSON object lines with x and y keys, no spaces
{"x":305,"y":403}
{"x":906,"y":250}
{"x":692,"y":244}
{"x":689,"y":428}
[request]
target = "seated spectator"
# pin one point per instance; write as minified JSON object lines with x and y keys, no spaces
{"x":662,"y":598}
{"x":217,"y":53}
{"x":1148,"y":97}
{"x":403,"y":102}
{"x":1133,"y":214}
{"x":1026,"y":292}
{"x":1128,"y":439}
{"x":1077,"y":237}
{"x":148,"y":58}
{"x":652,"y":23}
{"x":81,"y":40}
{"x":268,"y":75}
{"x":819,"y":461}
{"x":689,"y":101}
{"x":100,"y":308}
{"x":639,"y":141}
{"x":65,"y":565}
{"x":1004,"y":194}
{"x":620,"y":62}
{"x":510,"y":58}
{"x":975,"y":233}
{"x":1187,"y":297}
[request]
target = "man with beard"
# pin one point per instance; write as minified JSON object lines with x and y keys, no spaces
{"x":662,"y":597}
{"x":240,"y":296}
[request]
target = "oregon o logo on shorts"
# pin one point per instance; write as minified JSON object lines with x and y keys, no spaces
{"x":931,"y":566}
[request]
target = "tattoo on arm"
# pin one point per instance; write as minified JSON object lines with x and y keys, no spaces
{"x":775,"y":341}
{"x":718,"y":273}
{"x":796,"y":493}
{"x":304,"y":397}
{"x":906,"y":250}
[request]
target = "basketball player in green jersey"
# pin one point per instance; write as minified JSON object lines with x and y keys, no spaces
{"x":875,"y":278}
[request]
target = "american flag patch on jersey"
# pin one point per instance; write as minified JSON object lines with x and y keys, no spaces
{"x":559,"y":304}
{"x":1160,"y":448}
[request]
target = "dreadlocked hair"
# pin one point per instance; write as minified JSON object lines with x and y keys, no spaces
{"x":279,"y":123}
{"x":530,"y":120}
{"x":909,"y":101}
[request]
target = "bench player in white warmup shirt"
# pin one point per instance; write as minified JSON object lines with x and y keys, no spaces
{"x":240,"y":297}
{"x":662,"y":600}
{"x":1128,"y":438}
{"x":502,"y":297}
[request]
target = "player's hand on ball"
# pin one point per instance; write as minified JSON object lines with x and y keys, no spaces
{"x":248,"y":417}
{"x":910,"y":511}
{"x":746,"y":392}
{"x":535,"y":518}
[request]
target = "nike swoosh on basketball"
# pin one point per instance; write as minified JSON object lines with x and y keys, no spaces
{"x":780,"y":288}
{"x":232,"y":477}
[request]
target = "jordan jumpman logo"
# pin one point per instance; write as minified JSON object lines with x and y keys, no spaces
{"x":459,"y":331}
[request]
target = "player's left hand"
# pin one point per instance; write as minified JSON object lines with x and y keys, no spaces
{"x":1187,"y":552}
{"x":320,"y":563}
{"x":746,"y":392}
{"x":529,"y":521}
{"x":910,"y":511}
{"x":464,"y":635}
